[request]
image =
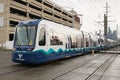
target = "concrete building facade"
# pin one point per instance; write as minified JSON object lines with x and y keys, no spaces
{"x":13,"y":11}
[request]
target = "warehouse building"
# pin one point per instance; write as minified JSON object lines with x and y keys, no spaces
{"x":13,"y":11}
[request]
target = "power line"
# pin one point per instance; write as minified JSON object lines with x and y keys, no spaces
{"x":103,"y":1}
{"x":89,"y":19}
{"x":84,"y":10}
{"x":98,"y":13}
{"x":76,"y":7}
{"x":88,"y":4}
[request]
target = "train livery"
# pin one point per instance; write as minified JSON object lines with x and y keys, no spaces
{"x":38,"y":41}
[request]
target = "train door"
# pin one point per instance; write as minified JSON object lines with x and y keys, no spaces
{"x":42,"y":38}
{"x":79,"y":40}
{"x":69,"y":42}
{"x":89,"y":40}
{"x":86,"y":40}
{"x":82,"y":40}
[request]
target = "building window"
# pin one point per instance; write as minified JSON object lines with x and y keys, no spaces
{"x":18,"y":12}
{"x":32,"y":16}
{"x":13,"y":23}
{"x":39,"y":1}
{"x":48,"y":4}
{"x":11,"y":37}
{"x":35,"y":7}
{"x":57,"y":16}
{"x":21,"y":1}
{"x":1,"y":21}
{"x":1,"y":8}
{"x":57,"y":9}
{"x":47,"y":12}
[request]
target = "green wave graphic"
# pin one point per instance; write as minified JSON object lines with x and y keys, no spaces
{"x":60,"y":50}
{"x":50,"y":51}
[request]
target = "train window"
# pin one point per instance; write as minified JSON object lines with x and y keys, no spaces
{"x":82,"y":42}
{"x":79,"y":41}
{"x":25,"y":35}
{"x":56,"y":39}
{"x":74,"y":42}
{"x":100,"y":41}
{"x":87,"y":42}
{"x":42,"y":37}
{"x":86,"y":39}
{"x":95,"y":43}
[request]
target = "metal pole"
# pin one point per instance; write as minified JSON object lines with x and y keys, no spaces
{"x":105,"y":24}
{"x":105,"y":29}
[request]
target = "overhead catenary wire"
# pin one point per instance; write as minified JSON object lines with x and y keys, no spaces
{"x":89,"y":6}
{"x":94,"y":7}
{"x":92,"y":10}
{"x":88,"y":18}
{"x":80,"y":9}
{"x":73,"y":5}
{"x":69,"y":3}
{"x":89,"y":15}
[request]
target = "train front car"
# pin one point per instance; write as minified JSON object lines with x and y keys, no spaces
{"x":24,"y":42}
{"x":38,"y":41}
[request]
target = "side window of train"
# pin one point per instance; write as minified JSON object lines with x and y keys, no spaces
{"x":74,"y":42}
{"x":87,"y":41}
{"x":78,"y":40}
{"x":56,"y":39}
{"x":82,"y":40}
{"x":42,"y":37}
{"x":95,"y":43}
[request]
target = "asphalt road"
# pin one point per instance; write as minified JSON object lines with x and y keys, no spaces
{"x":101,"y":66}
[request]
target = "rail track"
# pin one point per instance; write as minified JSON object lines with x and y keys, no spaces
{"x":61,"y":69}
{"x":104,"y":66}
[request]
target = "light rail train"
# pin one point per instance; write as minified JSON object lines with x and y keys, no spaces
{"x":38,"y":41}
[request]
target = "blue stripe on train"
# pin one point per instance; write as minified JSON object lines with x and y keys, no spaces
{"x":39,"y":56}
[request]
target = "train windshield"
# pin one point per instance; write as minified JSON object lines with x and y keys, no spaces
{"x":25,"y":36}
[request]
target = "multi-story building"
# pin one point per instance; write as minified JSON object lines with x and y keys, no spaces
{"x":13,"y":11}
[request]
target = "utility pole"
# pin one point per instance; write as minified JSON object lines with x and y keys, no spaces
{"x":117,"y":33}
{"x":105,"y":24}
{"x":105,"y":29}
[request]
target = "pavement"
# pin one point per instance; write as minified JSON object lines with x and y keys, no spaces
{"x":100,"y":66}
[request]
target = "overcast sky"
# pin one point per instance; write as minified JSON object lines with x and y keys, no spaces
{"x":93,"y":11}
